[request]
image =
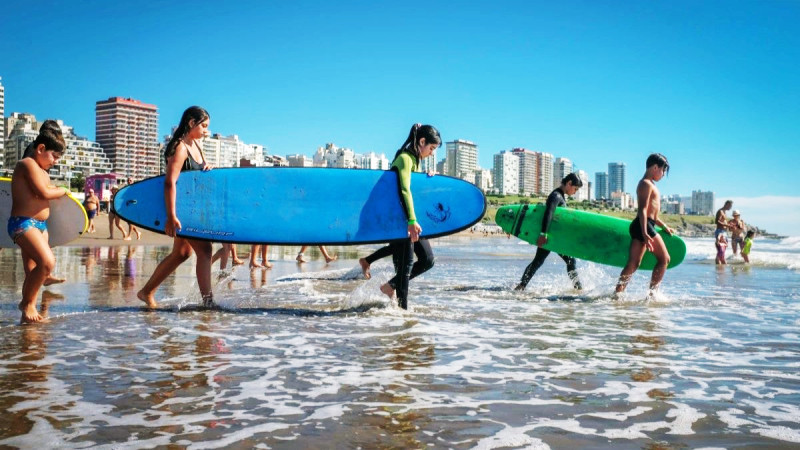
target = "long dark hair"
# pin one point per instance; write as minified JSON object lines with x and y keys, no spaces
{"x":195,"y":113}
{"x":419,"y":131}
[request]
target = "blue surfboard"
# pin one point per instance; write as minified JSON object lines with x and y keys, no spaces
{"x":295,"y":206}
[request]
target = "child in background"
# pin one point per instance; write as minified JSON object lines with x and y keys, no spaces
{"x":722,"y":245}
{"x":748,"y":242}
{"x":31,"y":193}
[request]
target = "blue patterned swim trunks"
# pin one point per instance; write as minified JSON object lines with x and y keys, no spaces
{"x":18,"y":225}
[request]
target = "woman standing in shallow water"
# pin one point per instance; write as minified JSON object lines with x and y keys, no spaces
{"x":421,"y":142}
{"x":183,"y":152}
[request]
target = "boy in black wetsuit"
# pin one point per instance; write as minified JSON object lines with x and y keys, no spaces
{"x":569,"y":185}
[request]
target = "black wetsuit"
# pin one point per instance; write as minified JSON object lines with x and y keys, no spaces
{"x":556,"y":198}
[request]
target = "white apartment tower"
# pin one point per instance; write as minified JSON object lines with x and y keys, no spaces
{"x":561,"y":168}
{"x":462,"y":159}
{"x":528,"y":170}
{"x":505,"y":173}
{"x":703,"y":203}
{"x":616,"y":177}
{"x":127,"y":129}
{"x":584,"y":191}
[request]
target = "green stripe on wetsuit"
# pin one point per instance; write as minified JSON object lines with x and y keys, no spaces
{"x":404,"y":164}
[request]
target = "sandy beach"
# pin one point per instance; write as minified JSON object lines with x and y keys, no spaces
{"x":101,"y":236}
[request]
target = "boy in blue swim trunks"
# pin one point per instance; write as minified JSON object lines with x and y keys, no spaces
{"x":31,"y":192}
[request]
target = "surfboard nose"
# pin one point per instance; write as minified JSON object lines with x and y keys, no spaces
{"x":506,"y":217}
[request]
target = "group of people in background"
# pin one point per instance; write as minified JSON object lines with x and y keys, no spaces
{"x":741,"y":237}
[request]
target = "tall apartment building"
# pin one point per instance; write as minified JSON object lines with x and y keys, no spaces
{"x":616,"y":177}
{"x":703,"y":203}
{"x":483,"y":180}
{"x":373,"y":161}
{"x":428,"y":165}
{"x":561,"y":168}
{"x":2,"y":124}
{"x":127,"y":129}
{"x":585,"y":191}
{"x":505,"y":173}
{"x":461,"y":159}
{"x":545,"y":183}
{"x":601,"y":186}
{"x":229,"y":151}
{"x":528,"y":170}
{"x":22,"y":129}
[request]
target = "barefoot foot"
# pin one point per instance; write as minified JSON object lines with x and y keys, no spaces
{"x":331,"y":259}
{"x":53,"y":280}
{"x":365,"y":268}
{"x":387,"y":290}
{"x":29,"y":314}
{"x":148,"y":299}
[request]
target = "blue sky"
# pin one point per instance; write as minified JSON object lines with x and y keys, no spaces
{"x":711,"y":84}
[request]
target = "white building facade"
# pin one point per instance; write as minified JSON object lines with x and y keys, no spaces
{"x":505,"y":173}
{"x":561,"y":168}
{"x":461,"y":159}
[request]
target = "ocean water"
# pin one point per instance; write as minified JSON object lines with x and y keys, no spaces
{"x":313,"y":356}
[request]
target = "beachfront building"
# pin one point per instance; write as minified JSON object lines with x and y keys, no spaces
{"x":2,"y":124}
{"x":601,"y":185}
{"x":80,"y":156}
{"x":461,"y":159}
{"x":545,"y":182}
{"x":561,"y":168}
{"x":229,"y":151}
{"x":584,"y":193}
{"x":483,"y":180}
{"x":333,"y":156}
{"x":622,"y":200}
{"x":428,"y":165}
{"x":528,"y":170}
{"x":372,"y":161}
{"x":440,"y":166}
{"x":127,"y":129}
{"x":703,"y":203}
{"x":616,"y":177}
{"x":505,"y":173}
{"x":299,"y":161}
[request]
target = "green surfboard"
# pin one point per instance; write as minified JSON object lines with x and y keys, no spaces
{"x":583,"y":235}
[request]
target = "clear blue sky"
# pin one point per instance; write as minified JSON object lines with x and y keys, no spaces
{"x":714,"y":85}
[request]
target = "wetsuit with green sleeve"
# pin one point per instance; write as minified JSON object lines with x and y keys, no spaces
{"x":405,"y":266}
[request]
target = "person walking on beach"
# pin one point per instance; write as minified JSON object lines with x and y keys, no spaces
{"x":183,"y":153}
{"x":113,"y":218}
{"x":131,"y":227}
{"x":328,"y":257}
{"x":738,"y":230}
{"x":569,"y":186}
{"x":422,"y":140}
{"x":92,"y":204}
{"x":31,"y":192}
{"x":642,"y":228}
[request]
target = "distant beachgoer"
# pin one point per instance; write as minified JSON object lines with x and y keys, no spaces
{"x":569,"y":186}
{"x":738,"y":230}
{"x":422,"y":140}
{"x":222,"y":256}
{"x":263,"y":249}
{"x":642,"y":228}
{"x":722,"y":245}
{"x":92,"y":204}
{"x":328,"y":258}
{"x":184,"y":152}
{"x":113,"y":218}
{"x":748,"y":243}
{"x":721,"y":220}
{"x":31,"y":192}
{"x":132,"y":228}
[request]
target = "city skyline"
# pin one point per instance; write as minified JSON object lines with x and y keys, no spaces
{"x":711,"y":85}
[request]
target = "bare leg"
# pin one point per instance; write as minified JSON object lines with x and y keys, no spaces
{"x":222,"y":256}
{"x":37,"y":256}
{"x":203,"y":269}
{"x":662,"y":261}
{"x":254,"y":256}
{"x":264,"y":261}
{"x":300,"y":258}
{"x":121,"y":230}
{"x":235,"y":257}
{"x":328,"y":258}
{"x":181,"y":251}
{"x":365,"y":268}
{"x":635,"y":255}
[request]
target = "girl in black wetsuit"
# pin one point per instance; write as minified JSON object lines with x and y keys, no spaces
{"x":569,"y":185}
{"x":183,"y":152}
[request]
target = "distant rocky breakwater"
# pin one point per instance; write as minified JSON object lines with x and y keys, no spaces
{"x":687,"y":229}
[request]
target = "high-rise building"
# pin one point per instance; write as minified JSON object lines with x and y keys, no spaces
{"x":2,"y":124}
{"x":505,"y":173}
{"x":373,"y":161}
{"x":528,"y":170}
{"x":462,"y":159}
{"x":22,"y":129}
{"x":545,"y":183}
{"x":616,"y":177}
{"x":703,"y":203}
{"x":561,"y":168}
{"x":601,"y":186}
{"x":127,"y":129}
{"x":585,"y":191}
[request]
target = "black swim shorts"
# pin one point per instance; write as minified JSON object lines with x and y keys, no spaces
{"x":635,"y":229}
